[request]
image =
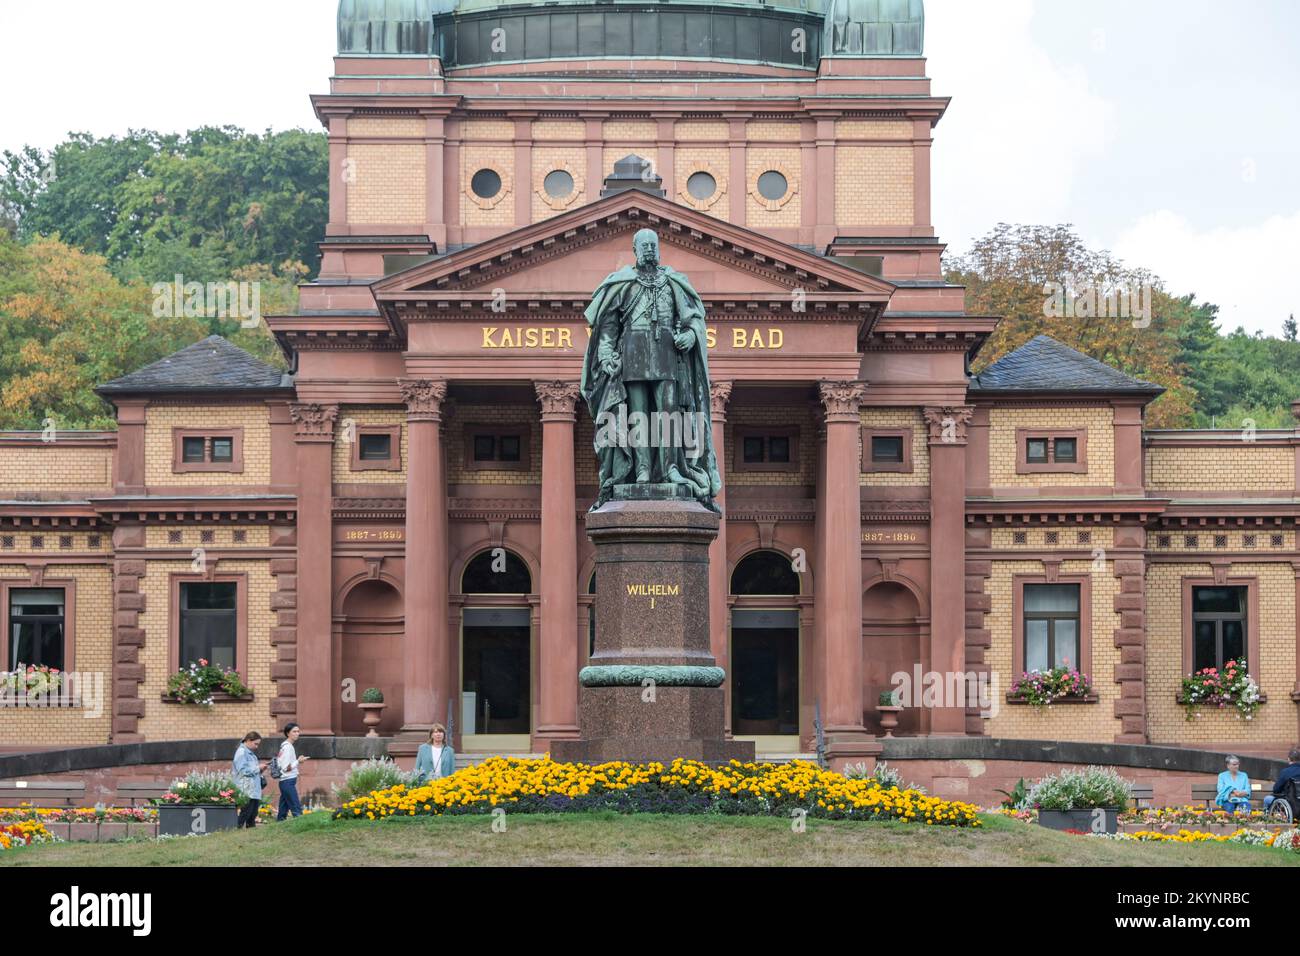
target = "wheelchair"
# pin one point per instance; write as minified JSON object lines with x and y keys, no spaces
{"x":1286,"y":808}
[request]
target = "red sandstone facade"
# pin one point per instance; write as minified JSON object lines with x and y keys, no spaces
{"x":432,"y":426}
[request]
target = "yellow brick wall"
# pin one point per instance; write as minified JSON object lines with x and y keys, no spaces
{"x":1099,"y":422}
{"x":496,"y":156}
{"x":586,"y":468}
{"x":630,"y":130}
{"x":405,"y":127}
{"x":1275,"y":723}
{"x":1080,"y":722}
{"x":1067,"y":539}
{"x":52,"y":542}
{"x":873,"y":129}
{"x":388,"y":184}
{"x":874,"y":186}
{"x":548,"y":158}
{"x":343,"y":473}
{"x":181,"y":722}
{"x":492,"y":128}
{"x":785,"y":160}
{"x":1241,"y":468}
{"x":469,"y":415}
{"x":713,"y":160}
{"x":758,"y":415}
{"x":901,"y":418}
{"x":559,"y":129}
{"x":156,"y":536}
{"x":714,"y":130}
{"x":781,"y":130}
{"x":71,"y":727}
{"x":253,"y":419}
{"x":51,"y":468}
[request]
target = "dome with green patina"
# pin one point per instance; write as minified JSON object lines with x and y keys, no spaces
{"x":792,"y":33}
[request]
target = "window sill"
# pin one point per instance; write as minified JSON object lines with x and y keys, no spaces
{"x":216,"y":699}
{"x":1021,"y":702}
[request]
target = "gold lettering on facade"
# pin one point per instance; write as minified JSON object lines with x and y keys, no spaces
{"x":554,"y":337}
{"x":654,"y":590}
{"x":890,"y":537}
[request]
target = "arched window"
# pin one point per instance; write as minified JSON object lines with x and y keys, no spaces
{"x":496,"y":572}
{"x":764,"y":573}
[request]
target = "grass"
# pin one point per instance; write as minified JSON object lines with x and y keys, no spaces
{"x":608,"y":839}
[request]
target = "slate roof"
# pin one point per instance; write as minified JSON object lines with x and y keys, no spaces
{"x":1045,"y":365}
{"x":213,"y":365}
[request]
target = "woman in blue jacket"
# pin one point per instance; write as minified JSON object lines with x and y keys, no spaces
{"x":248,"y":777}
{"x":436,"y":758}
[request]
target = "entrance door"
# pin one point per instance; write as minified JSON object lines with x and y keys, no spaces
{"x":496,"y":671}
{"x":765,"y":671}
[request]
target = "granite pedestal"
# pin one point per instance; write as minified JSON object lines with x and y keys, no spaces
{"x":653,"y":691}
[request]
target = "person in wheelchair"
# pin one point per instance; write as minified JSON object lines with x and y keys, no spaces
{"x":1284,"y":801}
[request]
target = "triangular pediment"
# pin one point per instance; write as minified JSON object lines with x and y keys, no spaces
{"x":568,"y":256}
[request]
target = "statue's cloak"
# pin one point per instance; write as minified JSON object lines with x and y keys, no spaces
{"x":605,"y":393}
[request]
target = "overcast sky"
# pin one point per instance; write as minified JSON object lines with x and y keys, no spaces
{"x":1165,"y":130}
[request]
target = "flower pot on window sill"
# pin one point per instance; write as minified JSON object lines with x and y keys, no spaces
{"x":1263,"y":699}
{"x":374,"y":713}
{"x":888,"y":718}
{"x":1089,"y":699}
{"x":216,"y":699}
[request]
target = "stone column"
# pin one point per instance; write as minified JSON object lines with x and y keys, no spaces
{"x":558,"y":659}
{"x":426,"y":647}
{"x":948,"y":438}
{"x":719,"y":583}
{"x":840,"y":514}
{"x":314,"y":436}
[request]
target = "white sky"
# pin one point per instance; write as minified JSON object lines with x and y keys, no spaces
{"x":1164,"y":130}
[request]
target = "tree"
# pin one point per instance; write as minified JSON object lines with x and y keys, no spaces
{"x":1289,"y":328}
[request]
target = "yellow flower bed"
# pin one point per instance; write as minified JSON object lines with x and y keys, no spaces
{"x":684,"y":786}
{"x":24,"y":834}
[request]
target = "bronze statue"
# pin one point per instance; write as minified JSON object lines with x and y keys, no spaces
{"x":646,"y":380}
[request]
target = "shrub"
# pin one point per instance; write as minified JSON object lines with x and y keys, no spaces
{"x":1082,"y":790}
{"x":882,"y":774}
{"x":372,"y":695}
{"x":367,"y":776}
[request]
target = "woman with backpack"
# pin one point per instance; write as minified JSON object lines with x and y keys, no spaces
{"x":285,"y":770}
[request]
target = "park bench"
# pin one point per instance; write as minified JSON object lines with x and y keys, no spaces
{"x":15,"y":793}
{"x":132,"y":792}
{"x":1142,"y":797}
{"x":1206,"y":792}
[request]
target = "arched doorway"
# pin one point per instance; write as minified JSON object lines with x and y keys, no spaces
{"x":764,"y":647}
{"x":891,"y":644}
{"x":370,"y":653}
{"x":496,"y":656}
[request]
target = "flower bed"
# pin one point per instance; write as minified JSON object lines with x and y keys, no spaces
{"x":685,"y":786}
{"x":1165,"y":817}
{"x":1286,"y":840}
{"x":1231,"y":687}
{"x":80,"y":815}
{"x":27,"y":833}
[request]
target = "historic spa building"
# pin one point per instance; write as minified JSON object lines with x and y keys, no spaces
{"x":404,"y":510}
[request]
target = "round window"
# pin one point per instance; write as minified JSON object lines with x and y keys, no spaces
{"x":558,"y":184}
{"x":486,"y":183}
{"x":772,"y":185}
{"x":701,"y":185}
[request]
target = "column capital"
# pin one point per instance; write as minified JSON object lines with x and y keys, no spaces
{"x":842,"y":400}
{"x":948,"y":423}
{"x":313,"y":422}
{"x":424,"y":398}
{"x":720,"y":398}
{"x":559,"y":400}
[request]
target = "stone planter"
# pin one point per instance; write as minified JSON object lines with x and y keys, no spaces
{"x":888,"y":718}
{"x":374,"y":713}
{"x":1086,"y":821}
{"x":196,"y":818}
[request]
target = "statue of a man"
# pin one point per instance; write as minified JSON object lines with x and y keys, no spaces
{"x":646,"y":379}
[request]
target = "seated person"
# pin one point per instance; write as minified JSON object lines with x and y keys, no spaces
{"x":1289,"y":773}
{"x":1234,"y":788}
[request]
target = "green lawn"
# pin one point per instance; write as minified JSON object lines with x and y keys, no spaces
{"x":608,"y":839}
